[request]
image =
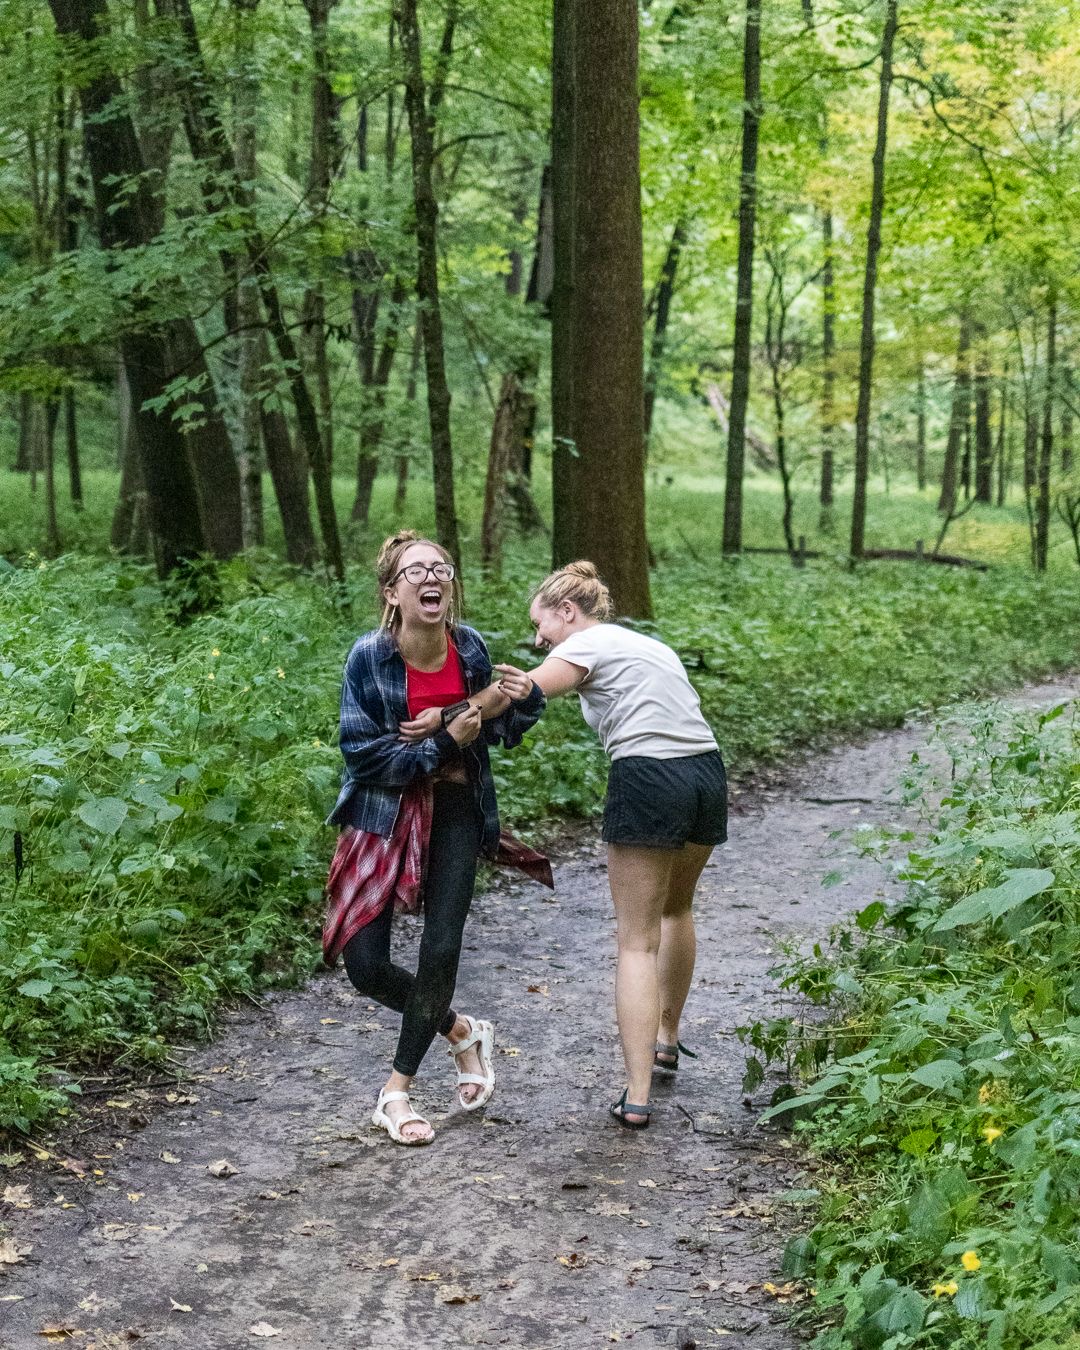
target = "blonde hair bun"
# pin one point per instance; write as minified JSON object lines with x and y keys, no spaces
{"x":580,"y":583}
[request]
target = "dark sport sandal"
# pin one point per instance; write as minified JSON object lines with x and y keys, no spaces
{"x":619,"y":1109}
{"x":671,"y":1064}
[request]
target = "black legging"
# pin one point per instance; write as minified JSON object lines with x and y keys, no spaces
{"x":424,"y":999}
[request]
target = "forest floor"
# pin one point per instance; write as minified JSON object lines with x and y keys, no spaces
{"x":537,"y":1222}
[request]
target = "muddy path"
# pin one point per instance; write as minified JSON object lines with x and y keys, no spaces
{"x":538,"y":1223}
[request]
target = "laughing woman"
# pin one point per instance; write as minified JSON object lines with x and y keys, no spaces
{"x":666,"y":807}
{"x":418,"y":709}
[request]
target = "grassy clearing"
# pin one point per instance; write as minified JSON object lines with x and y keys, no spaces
{"x":166,"y":785}
{"x":945,"y":1093}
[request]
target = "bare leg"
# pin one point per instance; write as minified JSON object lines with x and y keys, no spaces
{"x":639,"y":879}
{"x":678,"y":941}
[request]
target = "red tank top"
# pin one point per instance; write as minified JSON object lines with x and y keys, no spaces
{"x":435,"y":688}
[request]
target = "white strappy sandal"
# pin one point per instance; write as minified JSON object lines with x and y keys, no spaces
{"x":393,"y":1127}
{"x":482,"y":1035}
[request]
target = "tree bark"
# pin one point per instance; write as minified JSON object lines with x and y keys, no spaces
{"x":427,"y":280}
{"x":828,"y":373}
{"x":211,"y":148}
{"x":664,"y":292}
{"x":1046,"y":448}
{"x":1003,"y":441}
{"x":126,"y":212}
{"x":984,"y":442}
{"x":744,"y":282}
{"x":565,"y":494}
{"x":958,"y":420}
{"x":920,"y":428}
{"x":873,"y":248}
{"x":288,"y":473}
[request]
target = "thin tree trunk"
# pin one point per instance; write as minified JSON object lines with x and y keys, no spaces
{"x":920,"y":428}
{"x":828,"y":373}
{"x":402,"y":485}
{"x":984,"y":441}
{"x":1046,"y":454}
{"x":565,"y":494}
{"x":664,"y":292}
{"x":503,"y":430}
{"x":210,"y":147}
{"x":958,"y":421}
{"x":427,"y":280}
{"x":1066,"y":438}
{"x":1003,"y":441}
{"x":873,"y":247}
{"x":744,"y":283}
{"x":24,"y":454}
{"x":288,"y":473}
{"x":322,"y":140}
{"x":53,"y":543}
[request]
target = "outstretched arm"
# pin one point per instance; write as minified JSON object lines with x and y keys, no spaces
{"x":555,"y":676}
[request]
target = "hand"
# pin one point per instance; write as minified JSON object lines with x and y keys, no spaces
{"x":420,"y":728}
{"x":515,"y":684}
{"x":466,"y":726}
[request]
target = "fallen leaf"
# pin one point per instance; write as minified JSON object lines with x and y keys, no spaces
{"x":181,"y":1098}
{"x":19,"y":1196}
{"x":453,"y":1293}
{"x":648,"y":1184}
{"x":510,"y":1050}
{"x":222,"y":1168}
{"x":390,"y":1261}
{"x":122,"y":1105}
{"x":12,"y":1298}
{"x":180,"y":1307}
{"x":329,"y":1022}
{"x":10,"y":1159}
{"x":201,"y":1268}
{"x":642,"y":1264}
{"x":739,"y":1287}
{"x":432,"y":1275}
{"x":539,"y":989}
{"x":168,"y":1157}
{"x":574,"y":1261}
{"x":10,"y":1253}
{"x":117,"y":1232}
{"x":74,"y":1166}
{"x":264,"y":1329}
{"x":507,"y":1283}
{"x":135,"y":1196}
{"x":55,"y":1332}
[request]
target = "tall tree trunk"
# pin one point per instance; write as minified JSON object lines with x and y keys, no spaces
{"x":71,"y":444}
{"x":401,"y":487}
{"x":920,"y":428}
{"x":503,"y":431}
{"x":873,"y":247}
{"x":25,"y":454}
{"x":322,"y":156}
{"x":1046,"y":449}
{"x":1066,"y":434}
{"x":427,"y":280}
{"x":288,"y":473}
{"x":984,"y":441}
{"x":958,"y":421}
{"x":565,"y":494}
{"x":376,"y":378}
{"x":210,"y":147}
{"x":828,"y":373}
{"x":664,"y":292}
{"x":66,"y":241}
{"x":126,"y":212}
{"x":744,"y":282}
{"x":1002,"y":454}
{"x":53,"y":543}
{"x":599,"y":310}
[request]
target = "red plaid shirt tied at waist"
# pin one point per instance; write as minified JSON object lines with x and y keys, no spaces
{"x":371,"y":871}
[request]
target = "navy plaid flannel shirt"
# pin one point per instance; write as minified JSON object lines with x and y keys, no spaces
{"x":379,"y":766}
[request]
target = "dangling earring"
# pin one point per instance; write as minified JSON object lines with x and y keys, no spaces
{"x":387,"y":616}
{"x":450,"y":618}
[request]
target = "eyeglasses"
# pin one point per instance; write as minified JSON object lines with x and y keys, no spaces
{"x":418,"y":572}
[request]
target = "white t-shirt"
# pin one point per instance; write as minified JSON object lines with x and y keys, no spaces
{"x":636,"y":696}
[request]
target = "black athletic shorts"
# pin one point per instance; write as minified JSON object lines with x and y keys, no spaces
{"x":666,"y":803}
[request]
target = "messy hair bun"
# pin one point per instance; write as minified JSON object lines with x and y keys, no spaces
{"x":388,"y":565}
{"x":580,"y":583}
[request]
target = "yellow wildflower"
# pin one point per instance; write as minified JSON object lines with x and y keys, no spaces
{"x":316,"y":743}
{"x":970,"y":1261}
{"x":215,"y":652}
{"x":985,"y":1093}
{"x":991,"y":1132}
{"x":950,"y":1288}
{"x":209,"y":674}
{"x":280,"y":673}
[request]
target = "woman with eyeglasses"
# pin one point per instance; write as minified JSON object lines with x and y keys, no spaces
{"x":666,"y":807}
{"x":417,"y":807}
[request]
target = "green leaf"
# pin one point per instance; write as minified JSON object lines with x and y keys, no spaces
{"x":36,"y":988}
{"x":919,"y":1142}
{"x":1022,"y":884}
{"x":940,"y":1073}
{"x":103,"y":814}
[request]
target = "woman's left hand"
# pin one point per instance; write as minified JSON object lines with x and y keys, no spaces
{"x":420,"y":728}
{"x":515,"y":684}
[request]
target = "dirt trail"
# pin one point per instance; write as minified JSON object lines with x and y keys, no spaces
{"x":539,"y":1224}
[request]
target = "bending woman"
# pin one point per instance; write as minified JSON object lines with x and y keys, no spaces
{"x":666,"y":807}
{"x":418,"y":805}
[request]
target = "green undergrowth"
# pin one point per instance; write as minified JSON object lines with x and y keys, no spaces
{"x":163,"y":784}
{"x":943,"y":1092}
